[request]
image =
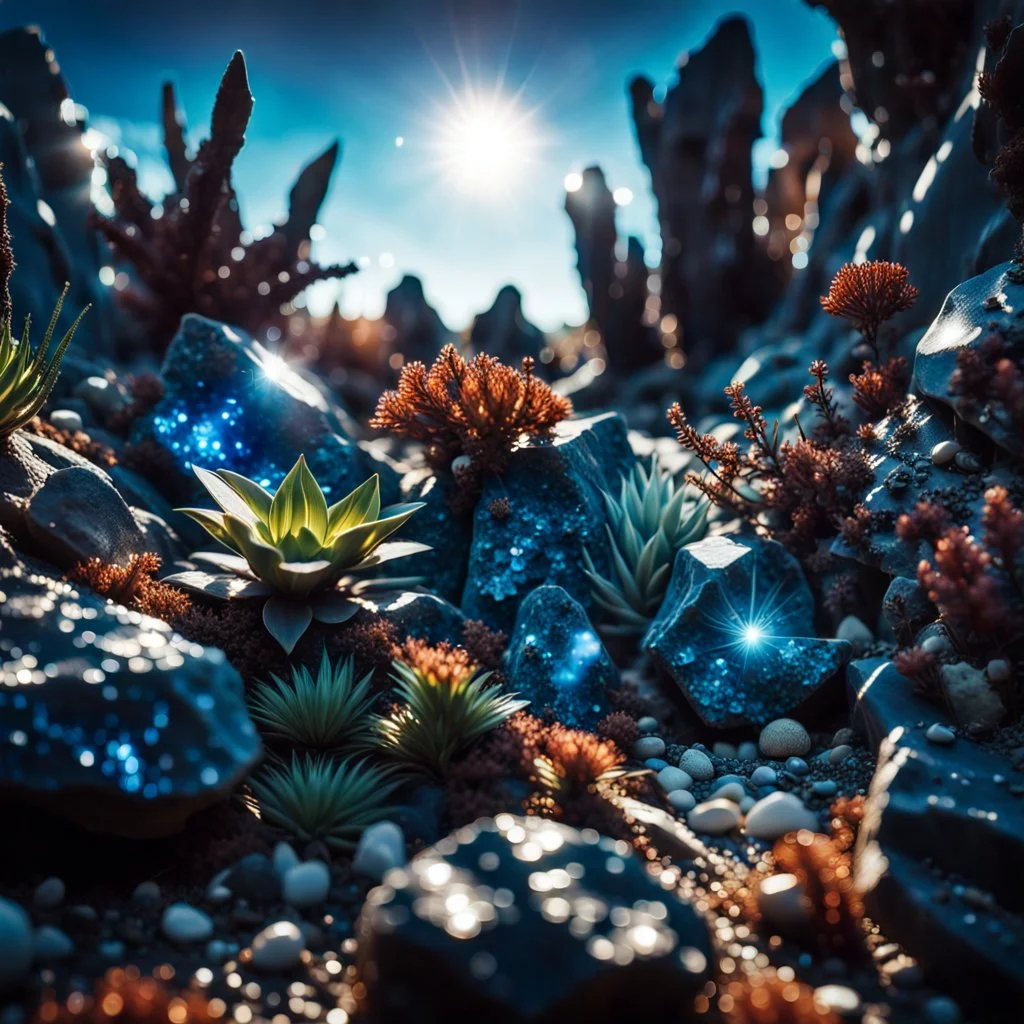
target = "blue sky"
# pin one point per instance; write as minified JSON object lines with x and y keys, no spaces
{"x":371,"y":71}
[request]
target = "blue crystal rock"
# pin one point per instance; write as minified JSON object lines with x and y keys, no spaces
{"x":230,"y":404}
{"x":555,"y":510}
{"x":734,"y":632}
{"x":556,"y":660}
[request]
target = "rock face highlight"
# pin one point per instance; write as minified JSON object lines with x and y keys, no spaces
{"x":733,"y":630}
{"x":110,"y":718}
{"x":455,"y":934}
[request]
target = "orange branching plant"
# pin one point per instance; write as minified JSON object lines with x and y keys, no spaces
{"x":868,"y":294}
{"x":767,"y":998}
{"x":480,"y":408}
{"x":437,"y":663}
{"x":133,"y":585}
{"x":124,"y":996}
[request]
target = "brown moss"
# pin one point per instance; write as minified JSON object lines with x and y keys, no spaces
{"x":620,"y":728}
{"x":486,"y":646}
{"x":438,"y":663}
{"x":765,"y":998}
{"x":77,"y":440}
{"x":134,"y":586}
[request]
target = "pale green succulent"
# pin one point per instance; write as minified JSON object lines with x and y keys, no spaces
{"x":305,"y":558}
{"x":26,"y":379}
{"x":438,"y":718}
{"x":325,"y":711}
{"x":317,"y":798}
{"x":649,"y":522}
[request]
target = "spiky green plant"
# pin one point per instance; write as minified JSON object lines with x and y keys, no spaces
{"x":437,"y":718}
{"x":648,"y":523}
{"x":317,"y":798}
{"x":328,"y":711}
{"x":305,"y":558}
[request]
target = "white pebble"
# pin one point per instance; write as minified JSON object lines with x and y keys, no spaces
{"x":648,"y":746}
{"x":671,"y":779}
{"x":764,"y":776}
{"x":307,"y":884}
{"x":780,"y":898}
{"x":747,"y":751}
{"x":777,"y":814}
{"x":941,"y":735}
{"x":381,"y":848}
{"x":278,"y":947}
{"x":49,"y":894}
{"x":682,"y":800}
{"x":998,"y":670}
{"x":284,"y":858}
{"x":182,"y":922}
{"x":461,"y":462}
{"x":785,"y":737}
{"x":937,"y":643}
{"x":15,"y":944}
{"x":697,"y":765}
{"x":945,"y":452}
{"x":730,"y":791}
{"x":647,"y":724}
{"x":66,"y":419}
{"x":50,"y":944}
{"x":714,"y":817}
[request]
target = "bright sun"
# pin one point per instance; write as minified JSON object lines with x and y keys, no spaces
{"x":486,"y":142}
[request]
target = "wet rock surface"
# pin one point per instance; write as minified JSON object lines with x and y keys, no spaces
{"x":110,"y":718}
{"x":455,"y":932}
{"x":558,"y":661}
{"x":732,"y":632}
{"x":553,"y":492}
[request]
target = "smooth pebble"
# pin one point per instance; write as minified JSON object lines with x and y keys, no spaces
{"x":945,"y":452}
{"x":785,"y":737}
{"x":146,"y":894}
{"x":764,"y":776}
{"x":15,"y":943}
{"x":307,"y":884}
{"x":723,"y":749}
{"x":682,"y":800}
{"x":780,"y":898}
{"x":796,"y":766}
{"x":49,"y":894}
{"x":181,"y":922}
{"x":777,"y":814}
{"x":697,"y":765}
{"x":941,"y":735}
{"x":730,"y":791}
{"x":50,"y":944}
{"x":671,"y":779}
{"x":381,"y":848}
{"x":647,"y":724}
{"x":284,"y":858}
{"x":66,"y":419}
{"x":714,"y":817}
{"x":649,"y":746}
{"x":278,"y":947}
{"x":747,"y":751}
{"x":837,"y":755}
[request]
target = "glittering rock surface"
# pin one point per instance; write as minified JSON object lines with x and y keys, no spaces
{"x":448,"y":533}
{"x":973,"y":311}
{"x":456,"y":934}
{"x":942,"y":827}
{"x":109,"y":717}
{"x":228,"y":402}
{"x":555,"y":510}
{"x":733,"y":632}
{"x":557,"y":660}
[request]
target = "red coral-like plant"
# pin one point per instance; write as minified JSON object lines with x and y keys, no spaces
{"x":190,"y":254}
{"x":868,"y":294}
{"x":878,"y":390}
{"x":133,"y":585}
{"x":480,"y":408}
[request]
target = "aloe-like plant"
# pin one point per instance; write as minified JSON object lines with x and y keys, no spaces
{"x":26,"y":378}
{"x":328,"y":711}
{"x":648,"y":523}
{"x":304,"y":559}
{"x":317,"y":798}
{"x":437,"y":718}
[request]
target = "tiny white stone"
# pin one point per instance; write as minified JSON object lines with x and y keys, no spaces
{"x":777,"y":814}
{"x":780,"y":898}
{"x":648,"y":746}
{"x":66,"y":419}
{"x":682,"y":800}
{"x":937,"y":643}
{"x":730,"y":791}
{"x":697,"y":765}
{"x":714,"y":817}
{"x":647,"y":724}
{"x":785,"y":737}
{"x":940,"y":735}
{"x":855,"y":632}
{"x":671,"y":779}
{"x":49,"y":894}
{"x":182,"y":922}
{"x":381,"y":848}
{"x":277,"y":947}
{"x":747,"y":751}
{"x":307,"y":884}
{"x":945,"y":452}
{"x":50,"y":944}
{"x":284,"y":858}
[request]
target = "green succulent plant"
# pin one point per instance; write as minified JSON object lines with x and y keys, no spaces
{"x":307,"y":560}
{"x":436,"y":719}
{"x":649,"y":522}
{"x":26,"y":379}
{"x":318,"y":798}
{"x":329,"y":710}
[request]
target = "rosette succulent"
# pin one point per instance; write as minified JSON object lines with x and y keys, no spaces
{"x":305,"y":560}
{"x":648,"y":523}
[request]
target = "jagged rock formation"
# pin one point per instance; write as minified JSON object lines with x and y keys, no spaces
{"x":504,"y":331}
{"x":414,"y":328}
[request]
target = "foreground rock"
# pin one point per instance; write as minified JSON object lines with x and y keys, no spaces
{"x":733,"y":632}
{"x":943,"y":829}
{"x":553,"y":491}
{"x":557,"y":660}
{"x":108,"y":717}
{"x":456,"y":934}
